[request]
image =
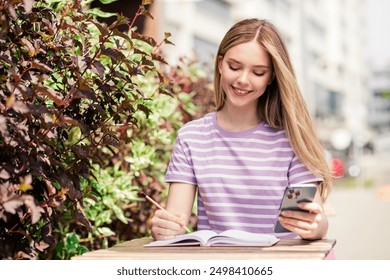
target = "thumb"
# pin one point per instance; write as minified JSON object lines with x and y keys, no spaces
{"x":183,"y":218}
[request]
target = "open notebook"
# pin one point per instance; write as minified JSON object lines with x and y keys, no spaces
{"x":230,"y":237}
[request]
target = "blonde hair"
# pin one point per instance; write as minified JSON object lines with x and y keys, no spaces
{"x":282,"y":105}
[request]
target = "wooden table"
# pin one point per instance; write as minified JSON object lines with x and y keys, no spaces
{"x":284,"y":249}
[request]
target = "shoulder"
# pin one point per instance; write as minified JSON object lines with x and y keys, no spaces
{"x":198,"y":126}
{"x":268,"y":131}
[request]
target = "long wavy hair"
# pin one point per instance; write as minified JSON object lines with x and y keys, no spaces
{"x":282,"y":105}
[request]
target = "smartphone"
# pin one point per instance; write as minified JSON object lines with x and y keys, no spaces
{"x":293,"y":195}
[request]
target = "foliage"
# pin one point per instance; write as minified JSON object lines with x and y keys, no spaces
{"x":83,"y":127}
{"x":120,"y":215}
{"x":71,"y":98}
{"x":386,"y":94}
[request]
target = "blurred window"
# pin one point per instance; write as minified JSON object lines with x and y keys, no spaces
{"x":205,"y":50}
{"x":215,"y":8}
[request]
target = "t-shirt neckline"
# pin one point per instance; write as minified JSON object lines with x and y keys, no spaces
{"x":234,"y":133}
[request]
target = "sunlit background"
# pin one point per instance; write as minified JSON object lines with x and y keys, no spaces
{"x":341,"y":54}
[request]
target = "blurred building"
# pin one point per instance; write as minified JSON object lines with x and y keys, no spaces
{"x":379,"y":108}
{"x":325,"y":40}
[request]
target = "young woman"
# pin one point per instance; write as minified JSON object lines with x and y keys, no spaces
{"x":240,"y":158}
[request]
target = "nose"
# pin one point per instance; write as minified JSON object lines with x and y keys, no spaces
{"x":243,"y":78}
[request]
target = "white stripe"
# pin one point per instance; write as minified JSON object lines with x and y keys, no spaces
{"x":244,"y":215}
{"x":230,"y":140}
{"x":292,"y":177}
{"x":240,"y":177}
{"x":243,"y":196}
{"x":273,"y":133}
{"x":241,"y":224}
{"x":178,"y":164}
{"x":251,"y":150}
{"x":244,"y":187}
{"x":233,"y":167}
{"x":187,"y":131}
{"x":238,"y":205}
{"x":237,"y":177}
{"x":203,"y":227}
{"x":234,"y":158}
{"x":297,"y":166}
{"x":181,"y":174}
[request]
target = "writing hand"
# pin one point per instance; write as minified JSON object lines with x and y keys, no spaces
{"x":166,"y":225}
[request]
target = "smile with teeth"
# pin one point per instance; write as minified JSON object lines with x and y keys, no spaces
{"x":238,"y":91}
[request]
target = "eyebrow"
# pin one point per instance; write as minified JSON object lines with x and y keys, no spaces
{"x":254,"y":66}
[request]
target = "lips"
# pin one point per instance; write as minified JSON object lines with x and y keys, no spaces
{"x":240,"y":92}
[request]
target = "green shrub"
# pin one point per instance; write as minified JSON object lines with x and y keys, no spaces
{"x":70,"y":96}
{"x":142,"y":165}
{"x":87,"y":120}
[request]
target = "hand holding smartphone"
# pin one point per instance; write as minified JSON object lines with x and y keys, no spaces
{"x":293,"y":195}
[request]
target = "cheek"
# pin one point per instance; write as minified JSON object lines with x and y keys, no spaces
{"x":226,"y":76}
{"x":261,"y":84}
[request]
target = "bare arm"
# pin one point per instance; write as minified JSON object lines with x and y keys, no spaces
{"x":180,"y":201}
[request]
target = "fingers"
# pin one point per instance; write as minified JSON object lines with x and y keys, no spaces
{"x":167,"y":226}
{"x":311,"y":207}
{"x":305,"y":224}
{"x":165,"y":215}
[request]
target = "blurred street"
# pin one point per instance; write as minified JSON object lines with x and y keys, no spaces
{"x":359,"y":217}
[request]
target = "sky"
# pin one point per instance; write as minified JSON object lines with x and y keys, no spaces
{"x":378,"y":32}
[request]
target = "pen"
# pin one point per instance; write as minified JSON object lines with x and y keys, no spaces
{"x":159,"y":206}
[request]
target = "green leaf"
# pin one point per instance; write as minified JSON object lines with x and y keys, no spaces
{"x":119,"y":214}
{"x":99,"y":13}
{"x":72,"y":241}
{"x":107,"y":1}
{"x":386,"y":94}
{"x":146,"y":13}
{"x":106,"y":231}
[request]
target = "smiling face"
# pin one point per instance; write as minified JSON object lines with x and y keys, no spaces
{"x":245,"y":73}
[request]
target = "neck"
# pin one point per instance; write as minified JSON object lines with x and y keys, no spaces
{"x":234,"y":120}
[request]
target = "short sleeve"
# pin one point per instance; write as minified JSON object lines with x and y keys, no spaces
{"x":298,"y":173}
{"x":180,"y":167}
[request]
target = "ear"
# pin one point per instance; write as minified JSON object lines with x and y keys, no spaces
{"x":220,"y":59}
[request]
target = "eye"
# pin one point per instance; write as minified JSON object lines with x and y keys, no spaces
{"x":259,"y":74}
{"x":234,"y":68}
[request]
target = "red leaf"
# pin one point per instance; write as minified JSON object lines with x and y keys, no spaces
{"x":12,"y":205}
{"x":70,"y":120}
{"x":4,"y":174}
{"x":55,"y":96}
{"x":80,"y":217}
{"x":33,"y":208}
{"x":101,"y":28}
{"x":50,"y":188}
{"x":40,"y":66}
{"x":20,"y":107}
{"x":41,"y":246}
{"x":27,"y":6}
{"x":98,"y":68}
{"x":30,"y":48}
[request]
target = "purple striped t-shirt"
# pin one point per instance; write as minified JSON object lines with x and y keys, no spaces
{"x":241,"y":176}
